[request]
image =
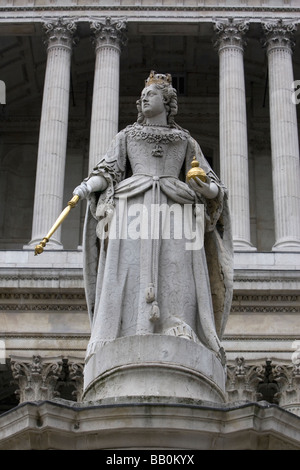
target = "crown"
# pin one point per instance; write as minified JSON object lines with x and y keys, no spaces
{"x":159,"y":78}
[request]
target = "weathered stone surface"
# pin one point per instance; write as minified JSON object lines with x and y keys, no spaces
{"x":155,"y":365}
{"x":149,"y":423}
{"x":264,"y":320}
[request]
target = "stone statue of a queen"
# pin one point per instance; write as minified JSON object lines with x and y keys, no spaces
{"x":157,"y":249}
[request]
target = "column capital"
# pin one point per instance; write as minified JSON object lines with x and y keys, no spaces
{"x":36,"y":377}
{"x":60,"y":33}
{"x":288,"y":378}
{"x":243,"y":380}
{"x":76,"y":367}
{"x":109,"y":32}
{"x":230,"y":34}
{"x":278,"y":35}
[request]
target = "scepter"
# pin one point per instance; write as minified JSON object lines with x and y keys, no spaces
{"x":72,"y":203}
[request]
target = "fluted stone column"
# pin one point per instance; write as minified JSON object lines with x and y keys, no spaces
{"x":109,"y":38}
{"x":284,"y":136}
{"x":53,"y":132}
{"x":233,"y":127}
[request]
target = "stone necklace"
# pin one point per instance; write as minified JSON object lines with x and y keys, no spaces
{"x":155,"y":134}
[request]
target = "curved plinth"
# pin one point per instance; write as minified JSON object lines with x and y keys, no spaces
{"x":154,"y":365}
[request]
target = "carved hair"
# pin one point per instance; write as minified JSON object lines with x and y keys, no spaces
{"x":170,"y":100}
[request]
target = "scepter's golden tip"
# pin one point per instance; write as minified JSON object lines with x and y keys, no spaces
{"x":38,"y":250}
{"x":40,"y":247}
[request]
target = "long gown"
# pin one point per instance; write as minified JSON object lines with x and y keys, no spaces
{"x":141,"y":275}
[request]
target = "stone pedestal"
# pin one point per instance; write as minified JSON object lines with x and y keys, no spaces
{"x":154,"y":365}
{"x":162,"y":424}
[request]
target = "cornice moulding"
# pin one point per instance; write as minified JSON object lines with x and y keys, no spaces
{"x":249,"y":8}
{"x":139,"y":13}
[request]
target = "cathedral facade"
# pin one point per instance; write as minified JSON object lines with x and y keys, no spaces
{"x":70,"y":74}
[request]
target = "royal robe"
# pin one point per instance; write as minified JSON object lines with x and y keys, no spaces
{"x":142,"y":273}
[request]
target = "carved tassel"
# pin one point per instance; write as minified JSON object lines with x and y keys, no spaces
{"x":150,"y":293}
{"x":155,"y":312}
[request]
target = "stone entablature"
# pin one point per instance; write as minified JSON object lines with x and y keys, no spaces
{"x":255,"y":5}
{"x":143,"y":11}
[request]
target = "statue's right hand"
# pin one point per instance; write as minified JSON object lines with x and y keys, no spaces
{"x":93,"y":184}
{"x":83,"y":190}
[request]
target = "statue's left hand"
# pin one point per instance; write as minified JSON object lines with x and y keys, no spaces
{"x":207,"y":189}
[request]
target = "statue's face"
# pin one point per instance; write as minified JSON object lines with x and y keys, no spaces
{"x":152,"y":101}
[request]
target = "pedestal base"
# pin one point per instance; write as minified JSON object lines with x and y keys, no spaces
{"x":156,"y":365}
{"x":156,"y":423}
{"x":287,"y":245}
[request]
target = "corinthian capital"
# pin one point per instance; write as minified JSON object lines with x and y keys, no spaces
{"x":60,"y":33}
{"x":36,"y":377}
{"x":243,"y":380}
{"x":288,"y":378}
{"x":109,"y":32}
{"x":279,"y":34}
{"x":230,"y":33}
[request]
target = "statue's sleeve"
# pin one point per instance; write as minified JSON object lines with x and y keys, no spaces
{"x":112,"y":168}
{"x":213,"y":207}
{"x":217,"y":242}
{"x":113,"y":163}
